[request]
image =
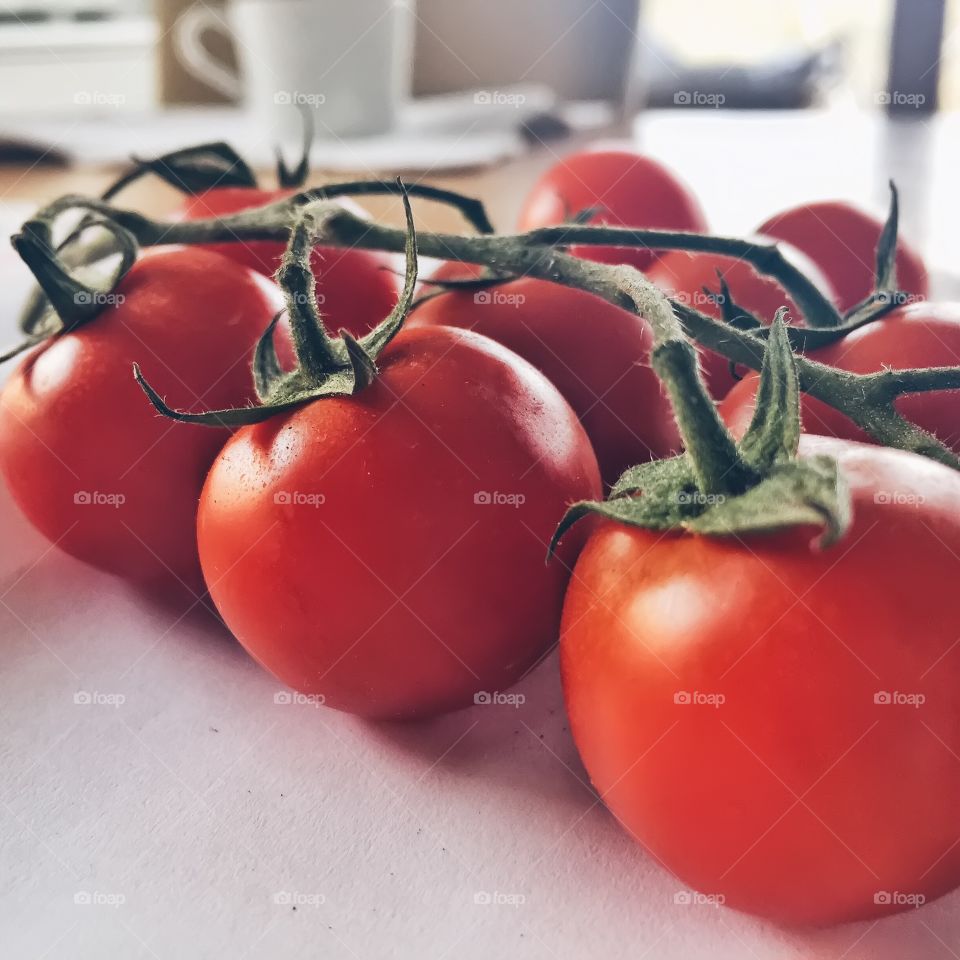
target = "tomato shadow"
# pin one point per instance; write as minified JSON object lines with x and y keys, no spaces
{"x":930,"y":932}
{"x":520,"y":739}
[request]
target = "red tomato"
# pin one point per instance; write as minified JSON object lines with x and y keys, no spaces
{"x":684,"y":275}
{"x":86,"y":458}
{"x":776,"y":723}
{"x":633,"y":191}
{"x":597,"y":355}
{"x":842,"y":241}
{"x":356,"y":288}
{"x":386,"y":551}
{"x":919,"y":335}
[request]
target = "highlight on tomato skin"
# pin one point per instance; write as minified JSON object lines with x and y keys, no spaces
{"x":628,"y":189}
{"x":776,"y":724}
{"x":386,"y":551}
{"x":356,"y":288}
{"x":88,"y":461}
{"x":842,"y":240}
{"x":918,"y":335}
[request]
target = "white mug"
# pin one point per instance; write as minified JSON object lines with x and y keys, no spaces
{"x":347,"y":61}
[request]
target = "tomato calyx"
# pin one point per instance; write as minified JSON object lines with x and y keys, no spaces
{"x":326,"y":366}
{"x":771,"y":490}
{"x":72,"y":302}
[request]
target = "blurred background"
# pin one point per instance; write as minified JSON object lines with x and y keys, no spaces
{"x":757,"y":103}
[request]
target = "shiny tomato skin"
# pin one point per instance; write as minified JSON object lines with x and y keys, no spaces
{"x":918,"y":335}
{"x":75,"y":428}
{"x":684,"y":275}
{"x":633,"y":190}
{"x":596,"y":354}
{"x":386,"y":552}
{"x":356,"y":288}
{"x":842,"y":240}
{"x":808,"y":794}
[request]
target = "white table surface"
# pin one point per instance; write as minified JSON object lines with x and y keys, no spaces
{"x":195,"y":815}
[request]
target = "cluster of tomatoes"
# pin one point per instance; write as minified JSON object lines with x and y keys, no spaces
{"x":775,"y":723}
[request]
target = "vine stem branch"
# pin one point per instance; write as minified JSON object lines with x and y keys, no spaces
{"x":867,"y":399}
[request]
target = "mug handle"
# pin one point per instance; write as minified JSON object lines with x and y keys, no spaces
{"x":188,"y":33}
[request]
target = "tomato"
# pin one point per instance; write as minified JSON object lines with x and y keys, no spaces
{"x":86,"y":458}
{"x":597,"y":355}
{"x":842,"y":240}
{"x":684,"y":276}
{"x":356,"y":288}
{"x":632,"y":190}
{"x":918,"y":335}
{"x":776,"y":723}
{"x":386,"y":551}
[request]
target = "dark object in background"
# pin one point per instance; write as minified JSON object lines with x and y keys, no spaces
{"x":916,"y":43}
{"x":787,"y":83}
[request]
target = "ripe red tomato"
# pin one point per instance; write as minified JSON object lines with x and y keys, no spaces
{"x":919,"y":335}
{"x":356,"y":288}
{"x":632,"y":190}
{"x":684,"y":276}
{"x":775,"y":723}
{"x":386,"y":551}
{"x":842,"y":240}
{"x":597,"y":355}
{"x":89,"y":463}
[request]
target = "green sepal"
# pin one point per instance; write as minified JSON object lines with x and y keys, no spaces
{"x":738,"y":317}
{"x":266,"y":367}
{"x":796,"y":493}
{"x":886,"y":270}
{"x":774,"y":432}
{"x":347,"y":366}
{"x":296,"y":177}
{"x":192,"y":170}
{"x":785,"y":491}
